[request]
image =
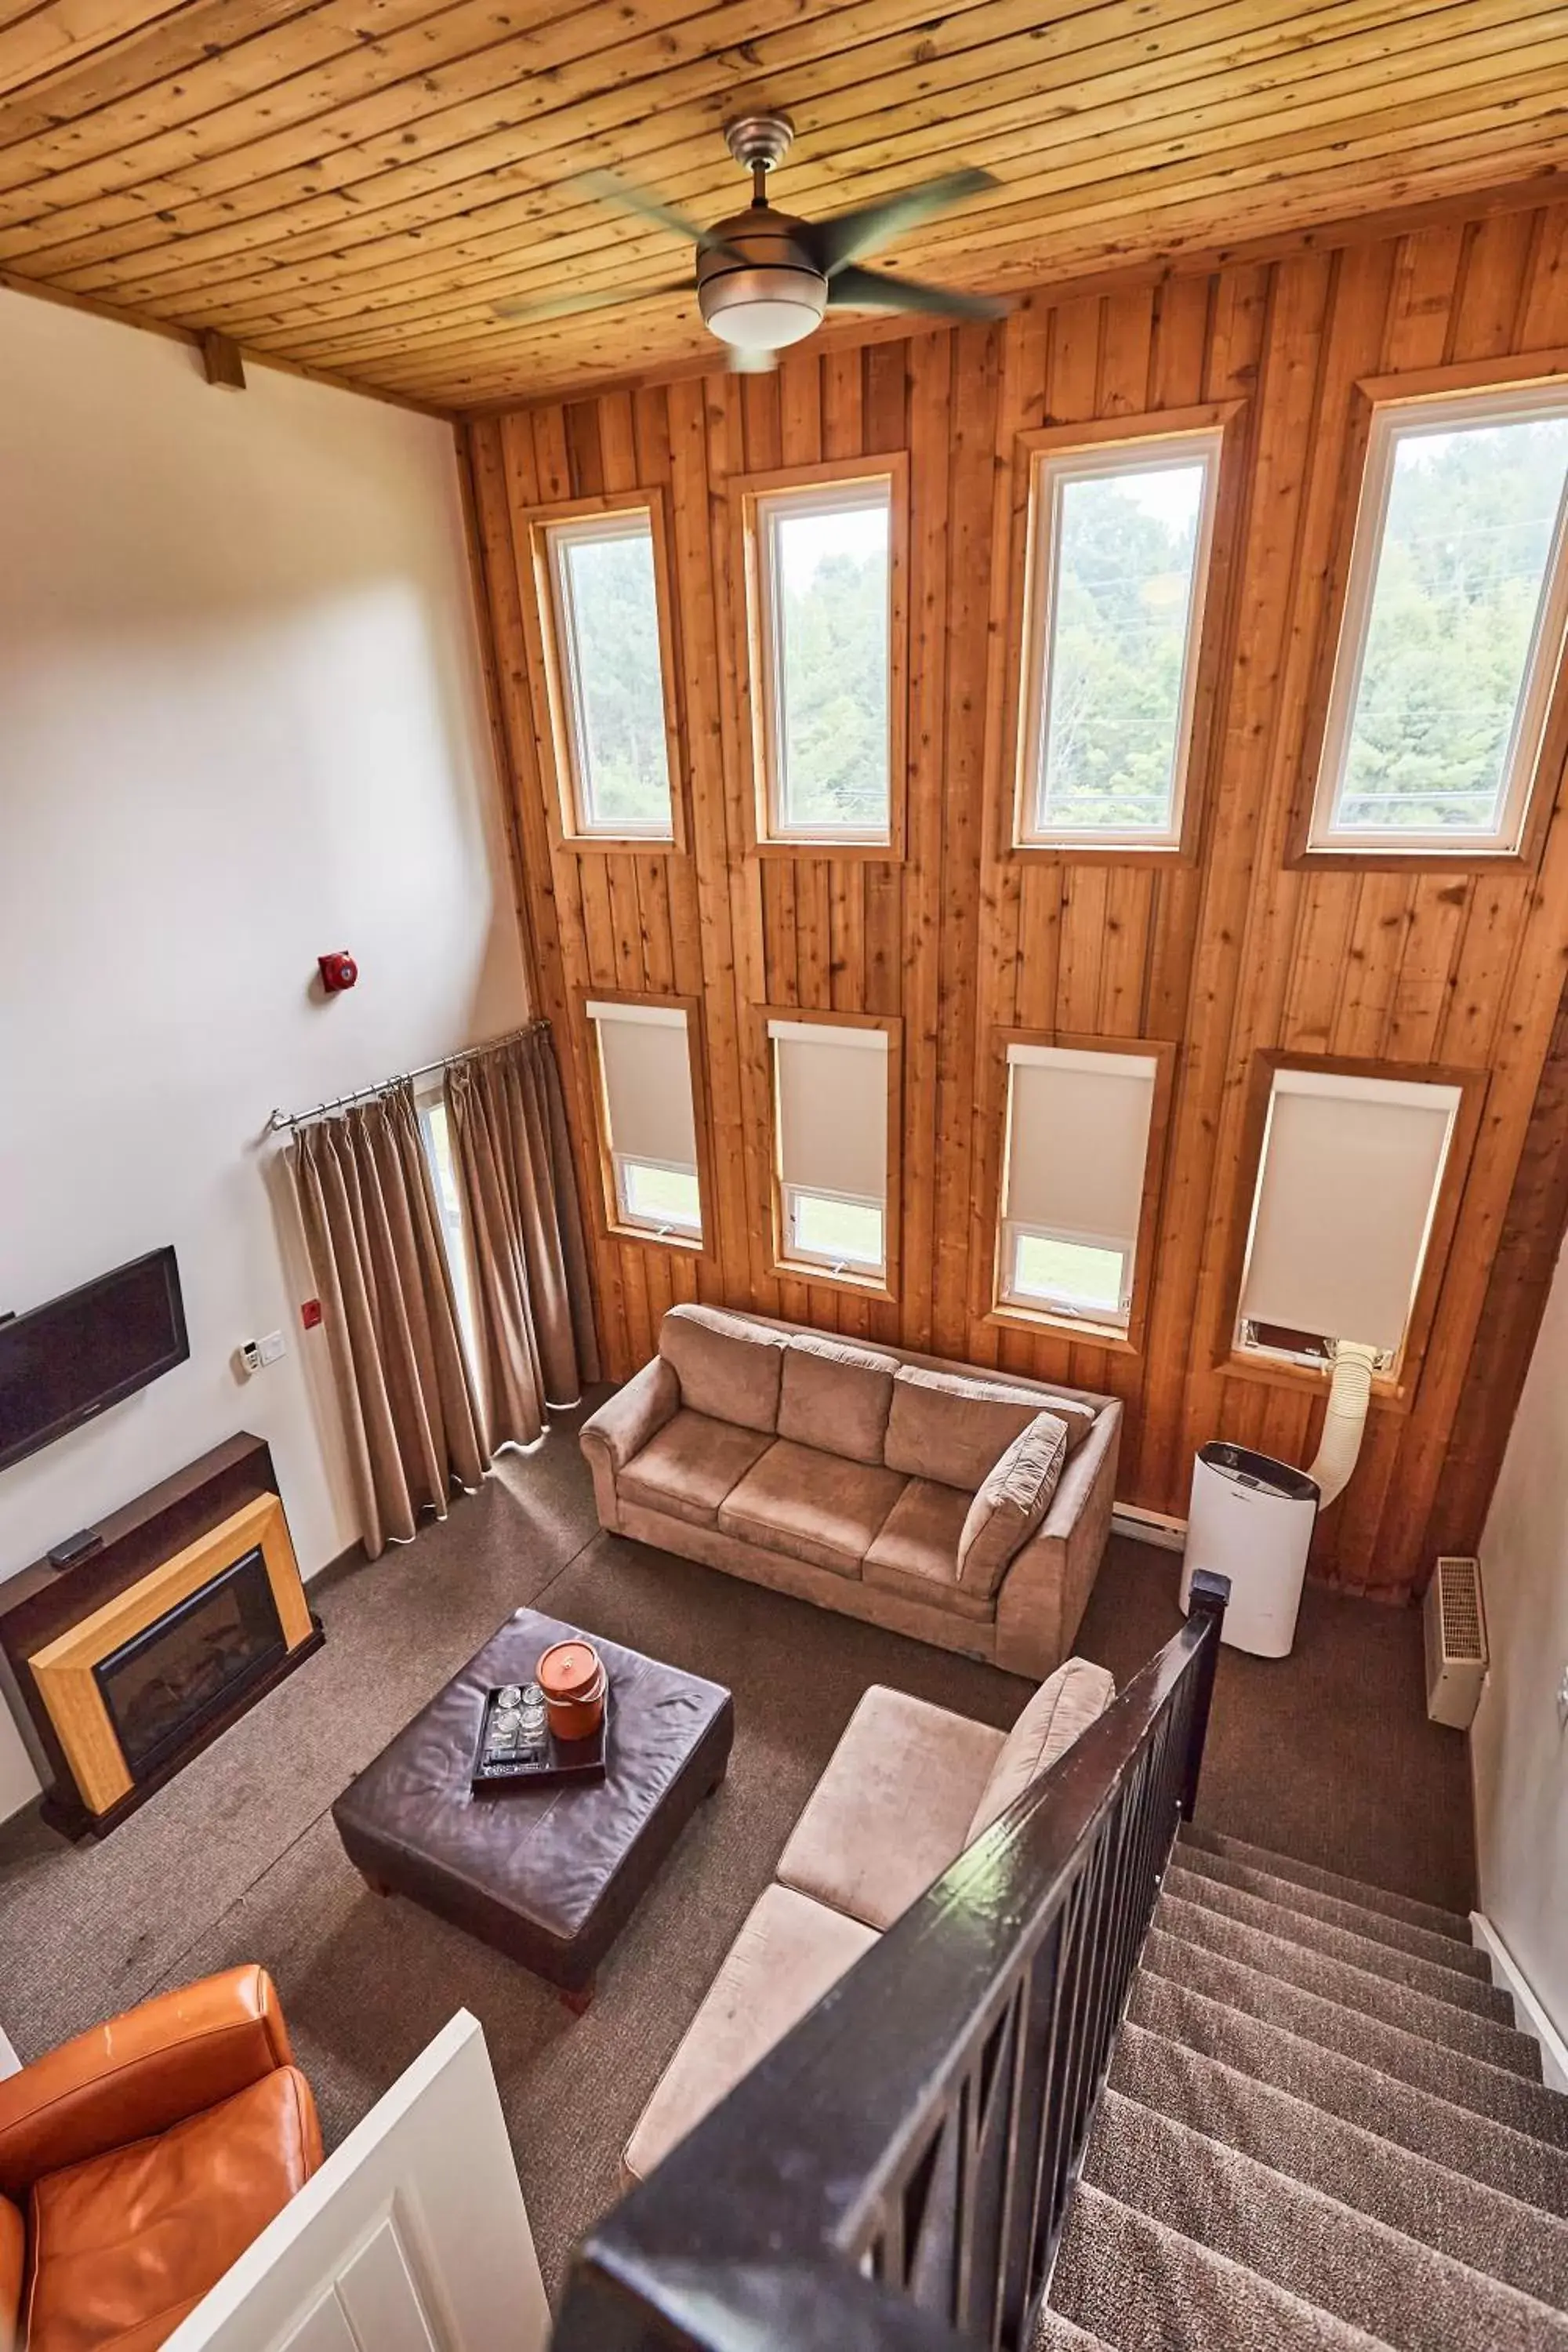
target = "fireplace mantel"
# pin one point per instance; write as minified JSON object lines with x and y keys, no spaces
{"x":155,"y":1554}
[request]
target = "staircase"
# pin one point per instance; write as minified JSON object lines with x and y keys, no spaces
{"x":1321,"y":2133}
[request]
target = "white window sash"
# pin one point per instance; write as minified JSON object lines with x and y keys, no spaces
{"x":620,"y":522}
{"x":1050,"y":471}
{"x":1072,"y":1305}
{"x":1391,"y":420}
{"x":799,"y":1252}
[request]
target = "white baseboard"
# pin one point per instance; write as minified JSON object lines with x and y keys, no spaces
{"x":1533,"y":2019}
{"x":1149,"y":1526}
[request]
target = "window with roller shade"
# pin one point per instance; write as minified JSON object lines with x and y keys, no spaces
{"x":648,"y":1123}
{"x":1348,"y":1186}
{"x":1078,"y":1133}
{"x":830,"y":1127}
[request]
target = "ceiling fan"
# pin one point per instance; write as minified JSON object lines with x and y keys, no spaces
{"x":763,"y":278}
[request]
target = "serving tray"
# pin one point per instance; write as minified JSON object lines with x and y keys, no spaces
{"x":558,"y":1759}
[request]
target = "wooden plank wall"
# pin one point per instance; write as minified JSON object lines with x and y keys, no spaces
{"x":1238,"y":953}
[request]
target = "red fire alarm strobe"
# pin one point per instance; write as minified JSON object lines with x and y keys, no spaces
{"x":310,"y":1314}
{"x":338,"y":971}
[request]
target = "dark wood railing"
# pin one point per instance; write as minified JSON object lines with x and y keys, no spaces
{"x":896,"y":2172}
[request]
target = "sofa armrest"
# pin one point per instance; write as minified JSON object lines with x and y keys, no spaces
{"x":623,"y":1426}
{"x":1043,"y":1596}
{"x":140,"y":2073}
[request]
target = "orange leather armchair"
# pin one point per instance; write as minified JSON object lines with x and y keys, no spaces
{"x":138,"y":2161}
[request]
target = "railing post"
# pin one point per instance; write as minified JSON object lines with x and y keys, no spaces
{"x":1207,"y":1601}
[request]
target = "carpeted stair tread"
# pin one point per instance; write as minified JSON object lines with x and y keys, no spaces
{"x":1445,"y":2210}
{"x":1055,"y":2333}
{"x":1390,"y":2286}
{"x":1518,"y":2166}
{"x":1138,"y":2285}
{"x":1391,"y":1963}
{"x":1410,"y":2055}
{"x":1333,"y":1910}
{"x":1452,"y":1924}
{"x":1361,"y":1989}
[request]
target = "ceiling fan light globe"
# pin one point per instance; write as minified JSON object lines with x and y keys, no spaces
{"x":765,"y":309}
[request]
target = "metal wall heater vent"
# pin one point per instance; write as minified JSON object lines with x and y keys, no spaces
{"x":1455,"y":1629}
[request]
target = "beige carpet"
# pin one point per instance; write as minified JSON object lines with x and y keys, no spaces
{"x":1327,"y":1757}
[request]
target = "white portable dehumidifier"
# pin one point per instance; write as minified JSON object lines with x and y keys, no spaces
{"x":1250,"y":1519}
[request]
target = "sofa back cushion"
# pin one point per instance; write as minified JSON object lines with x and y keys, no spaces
{"x":954,"y":1427}
{"x":835,"y":1396}
{"x":1066,"y":1704}
{"x":727,"y":1366}
{"x":1010,"y":1502}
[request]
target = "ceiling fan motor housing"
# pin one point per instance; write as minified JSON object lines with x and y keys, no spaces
{"x":757,"y":287}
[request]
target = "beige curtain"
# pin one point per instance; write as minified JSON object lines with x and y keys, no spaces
{"x":532,"y":1312}
{"x":410,"y":1415}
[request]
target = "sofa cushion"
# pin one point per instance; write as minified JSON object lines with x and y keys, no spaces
{"x":813,"y":1506}
{"x":786,"y":1955}
{"x":121,"y":2242}
{"x":916,"y":1552}
{"x":835,"y":1396}
{"x":1010,"y":1503}
{"x":950,"y":1426}
{"x":689,"y":1466}
{"x":1066,"y":1704}
{"x":893,"y":1808}
{"x":728,"y":1368}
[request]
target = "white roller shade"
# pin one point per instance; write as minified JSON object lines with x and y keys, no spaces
{"x":648,"y":1082}
{"x":832,"y":1108}
{"x":1345,"y":1195}
{"x":1078,"y":1140}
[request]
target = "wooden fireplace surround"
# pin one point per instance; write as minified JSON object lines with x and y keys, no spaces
{"x":53,"y":1623}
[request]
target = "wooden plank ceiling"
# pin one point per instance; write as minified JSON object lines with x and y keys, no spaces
{"x":352,"y":185}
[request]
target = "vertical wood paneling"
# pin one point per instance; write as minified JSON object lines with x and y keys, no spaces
{"x":1232,"y":954}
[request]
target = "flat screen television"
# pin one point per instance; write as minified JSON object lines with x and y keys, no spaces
{"x":78,"y":1354}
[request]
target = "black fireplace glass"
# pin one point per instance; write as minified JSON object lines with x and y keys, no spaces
{"x":167,"y":1681}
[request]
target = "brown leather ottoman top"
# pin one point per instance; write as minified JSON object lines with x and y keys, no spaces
{"x":549,"y":1875}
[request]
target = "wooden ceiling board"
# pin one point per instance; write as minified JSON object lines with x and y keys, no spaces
{"x":350,"y":185}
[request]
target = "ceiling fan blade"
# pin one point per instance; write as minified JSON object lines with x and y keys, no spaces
{"x":834,"y":242}
{"x":611,"y":189}
{"x":563,"y":306}
{"x":874,"y":289}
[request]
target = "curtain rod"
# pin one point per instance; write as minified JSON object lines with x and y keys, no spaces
{"x":278,"y":1119}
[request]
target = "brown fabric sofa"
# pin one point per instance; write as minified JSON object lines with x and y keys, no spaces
{"x":907,"y":1788}
{"x":844,"y":1473}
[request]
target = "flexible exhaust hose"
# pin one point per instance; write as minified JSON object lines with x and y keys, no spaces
{"x":1350,"y":1392}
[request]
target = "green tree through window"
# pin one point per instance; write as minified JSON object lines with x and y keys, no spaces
{"x":618,"y":681}
{"x":831,"y":567}
{"x":1461,"y":570}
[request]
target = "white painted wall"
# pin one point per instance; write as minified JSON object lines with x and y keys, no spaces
{"x":241,"y":722}
{"x":1518,"y":1752}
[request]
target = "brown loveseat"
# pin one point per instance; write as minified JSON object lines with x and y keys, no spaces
{"x":845,"y":1475}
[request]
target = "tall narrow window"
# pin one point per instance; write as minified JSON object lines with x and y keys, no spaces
{"x":648,"y":1122}
{"x":1455,"y":601}
{"x":830,"y":1101}
{"x":1348,"y":1185}
{"x":822,"y":564}
{"x":599,"y":575}
{"x":1078,"y":1136}
{"x":1119,"y":555}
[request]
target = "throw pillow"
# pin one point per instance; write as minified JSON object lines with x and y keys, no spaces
{"x":1010,"y":1503}
{"x":1066,"y":1704}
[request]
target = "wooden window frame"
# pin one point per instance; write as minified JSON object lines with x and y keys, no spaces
{"x":1348,"y":587}
{"x":555,"y":732}
{"x":1396,"y":1387}
{"x":754,"y":665}
{"x":614,"y":1227}
{"x":989,"y":1305}
{"x":884,"y":1285}
{"x":1026,"y":643}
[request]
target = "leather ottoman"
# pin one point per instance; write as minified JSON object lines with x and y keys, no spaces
{"x":550,"y":1877}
